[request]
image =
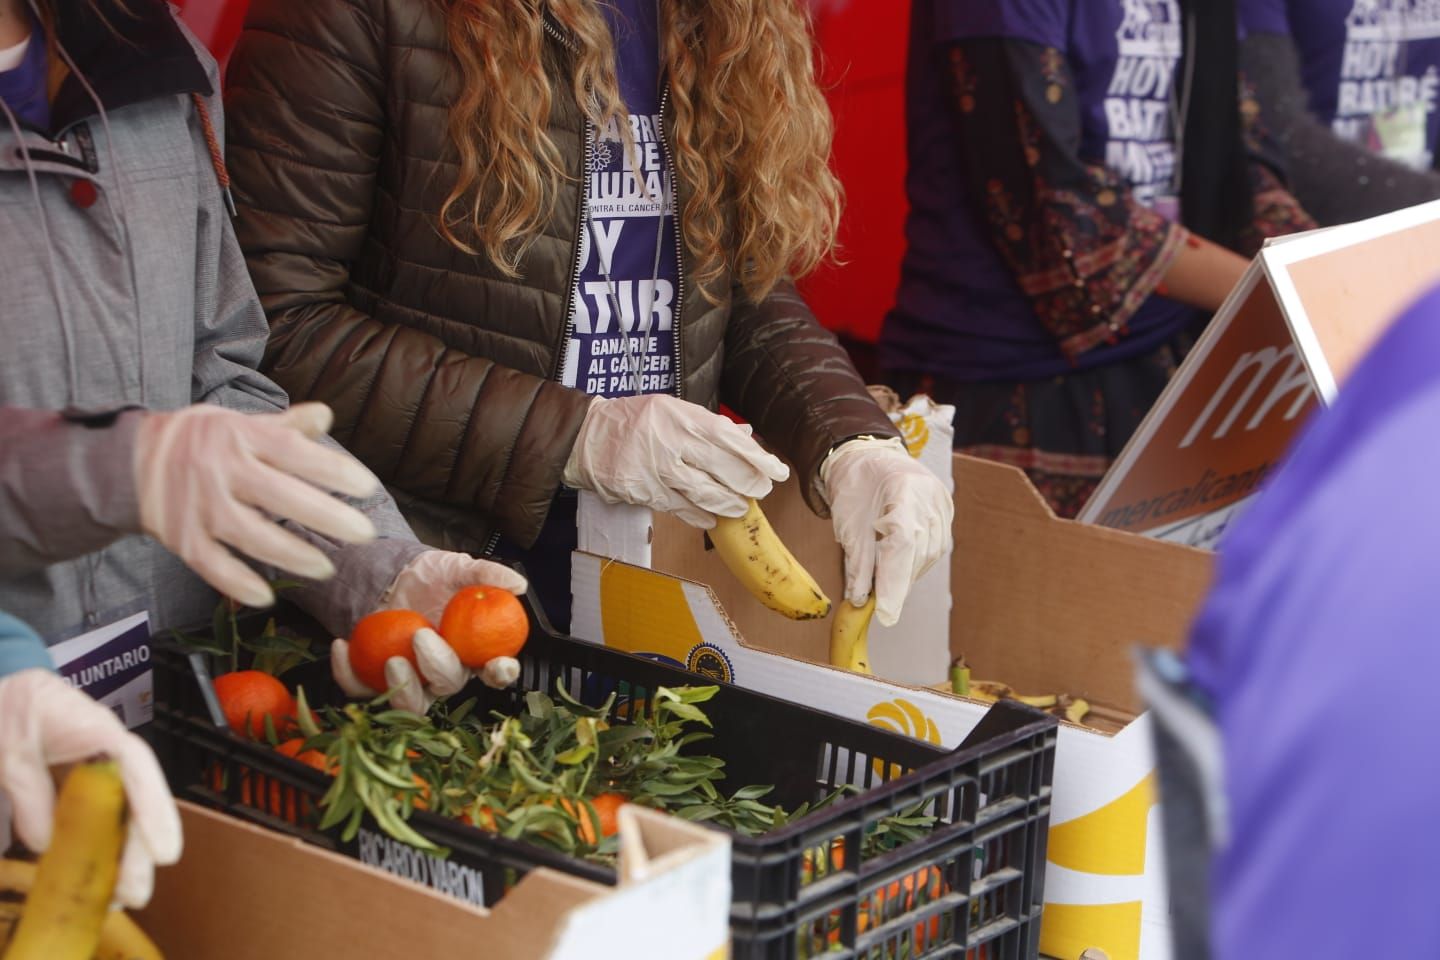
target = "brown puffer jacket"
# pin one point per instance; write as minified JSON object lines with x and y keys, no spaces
{"x":441,"y":370}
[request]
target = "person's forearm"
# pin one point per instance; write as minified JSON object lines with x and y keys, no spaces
{"x":1203,"y":274}
{"x":20,"y":648}
{"x":66,"y":489}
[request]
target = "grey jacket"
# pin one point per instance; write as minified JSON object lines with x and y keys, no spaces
{"x":140,"y":301}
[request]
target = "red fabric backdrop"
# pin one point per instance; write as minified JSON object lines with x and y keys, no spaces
{"x":862,"y":47}
{"x":216,"y":22}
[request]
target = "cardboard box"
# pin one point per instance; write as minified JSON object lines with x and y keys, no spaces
{"x":1044,"y":604}
{"x":1307,"y":310}
{"x":912,"y":651}
{"x":242,"y":892}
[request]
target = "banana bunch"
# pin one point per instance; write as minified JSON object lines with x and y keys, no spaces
{"x":1073,"y":709}
{"x":60,"y":909}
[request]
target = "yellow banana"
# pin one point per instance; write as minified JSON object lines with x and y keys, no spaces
{"x":850,"y":636}
{"x":76,"y":876}
{"x":120,"y":937}
{"x":990,"y":690}
{"x":1076,"y":708}
{"x":1041,"y":702}
{"x":753,"y":552}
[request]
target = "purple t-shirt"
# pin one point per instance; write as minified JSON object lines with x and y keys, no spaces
{"x":1317,"y":647}
{"x":1371,"y":67}
{"x":625,"y":220}
{"x":960,"y":312}
{"x":23,"y":88}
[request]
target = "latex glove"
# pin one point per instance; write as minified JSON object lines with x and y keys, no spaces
{"x":426,"y":585}
{"x":45,"y":722}
{"x":664,"y":453}
{"x":208,"y":478}
{"x":892,"y":517}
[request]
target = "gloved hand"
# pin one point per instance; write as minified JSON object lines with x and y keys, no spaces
{"x":892,"y":517}
{"x":664,"y":453}
{"x":208,"y":478}
{"x":426,"y":585}
{"x":45,"y":722}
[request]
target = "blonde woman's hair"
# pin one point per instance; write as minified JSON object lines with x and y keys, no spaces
{"x":751,"y":130}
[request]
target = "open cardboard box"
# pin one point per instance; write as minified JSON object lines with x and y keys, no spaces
{"x":1044,"y":604}
{"x":242,"y":892}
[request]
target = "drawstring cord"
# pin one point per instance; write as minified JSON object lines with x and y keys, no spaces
{"x":217,"y":158}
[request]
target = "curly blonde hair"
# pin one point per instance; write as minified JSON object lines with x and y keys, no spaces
{"x":751,"y":132}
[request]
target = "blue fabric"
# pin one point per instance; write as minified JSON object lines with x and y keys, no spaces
{"x":1359,"y":61}
{"x":21,"y":648}
{"x":1318,"y":647}
{"x":960,"y":313}
{"x":624,"y":205}
{"x":1264,"y":16}
{"x":23,"y":88}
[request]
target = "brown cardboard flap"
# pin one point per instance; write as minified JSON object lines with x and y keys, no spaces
{"x":245,"y":893}
{"x":1043,"y":604}
{"x":242,"y":892}
{"x":1050,"y":605}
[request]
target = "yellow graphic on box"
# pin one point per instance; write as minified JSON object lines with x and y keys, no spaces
{"x":905,"y":718}
{"x":1067,"y":930}
{"x":644,"y":612}
{"x":1109,"y":841}
{"x":722,"y":954}
{"x":916,"y":433}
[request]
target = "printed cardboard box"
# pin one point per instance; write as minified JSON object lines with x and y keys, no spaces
{"x":915,"y":650}
{"x":1044,"y":604}
{"x":1307,"y":310}
{"x":245,"y":893}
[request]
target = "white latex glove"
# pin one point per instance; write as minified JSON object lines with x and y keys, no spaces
{"x":670,"y":455}
{"x":426,"y":585}
{"x":208,"y":478}
{"x":892,"y":517}
{"x":45,"y":722}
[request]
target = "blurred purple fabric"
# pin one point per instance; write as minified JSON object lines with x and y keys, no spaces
{"x":1320,"y":647}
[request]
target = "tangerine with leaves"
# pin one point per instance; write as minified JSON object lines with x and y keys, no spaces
{"x":380,"y":636}
{"x":248,"y":697}
{"x":482,"y":623}
{"x":311,"y":758}
{"x":608,"y":805}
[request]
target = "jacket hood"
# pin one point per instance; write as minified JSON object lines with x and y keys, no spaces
{"x":129,"y":54}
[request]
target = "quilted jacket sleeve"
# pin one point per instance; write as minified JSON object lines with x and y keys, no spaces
{"x":791,"y":378}
{"x":306,"y":107}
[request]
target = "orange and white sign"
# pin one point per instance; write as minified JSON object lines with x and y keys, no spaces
{"x":1305,"y":312}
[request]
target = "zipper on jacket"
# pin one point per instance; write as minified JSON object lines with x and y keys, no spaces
{"x":679,"y":244}
{"x":558,"y":372}
{"x":582,"y":215}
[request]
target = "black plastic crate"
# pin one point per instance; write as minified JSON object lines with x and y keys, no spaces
{"x":971,"y":887}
